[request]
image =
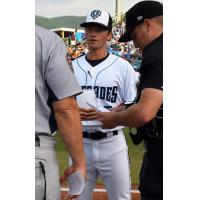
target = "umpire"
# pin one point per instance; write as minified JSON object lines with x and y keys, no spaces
{"x":144,"y":25}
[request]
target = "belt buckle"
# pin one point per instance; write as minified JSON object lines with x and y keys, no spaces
{"x":109,"y":134}
{"x":89,"y":135}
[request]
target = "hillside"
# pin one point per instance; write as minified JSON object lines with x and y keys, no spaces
{"x":57,"y":22}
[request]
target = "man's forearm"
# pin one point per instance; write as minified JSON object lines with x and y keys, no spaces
{"x":142,"y":112}
{"x":69,"y":126}
{"x":132,"y":117}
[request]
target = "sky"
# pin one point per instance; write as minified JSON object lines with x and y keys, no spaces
{"x":55,"y":8}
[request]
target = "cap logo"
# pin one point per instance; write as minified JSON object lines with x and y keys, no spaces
{"x":139,"y":18}
{"x":95,"y":14}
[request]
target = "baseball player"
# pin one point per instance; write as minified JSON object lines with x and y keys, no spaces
{"x":114,"y":82}
{"x":55,"y":106}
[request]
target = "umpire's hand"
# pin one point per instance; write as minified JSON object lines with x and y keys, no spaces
{"x":108,"y":119}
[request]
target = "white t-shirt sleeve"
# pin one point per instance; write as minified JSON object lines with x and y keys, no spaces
{"x":130,"y":84}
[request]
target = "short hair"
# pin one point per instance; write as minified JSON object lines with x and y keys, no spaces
{"x":158,"y":20}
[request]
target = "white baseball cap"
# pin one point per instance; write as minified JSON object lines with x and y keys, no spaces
{"x":99,"y":17}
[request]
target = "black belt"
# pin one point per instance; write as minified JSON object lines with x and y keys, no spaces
{"x":99,"y":135}
{"x":37,"y":141}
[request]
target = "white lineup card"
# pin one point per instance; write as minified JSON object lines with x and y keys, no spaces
{"x":76,"y":183}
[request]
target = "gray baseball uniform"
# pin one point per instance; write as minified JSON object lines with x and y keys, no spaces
{"x":54,"y":80}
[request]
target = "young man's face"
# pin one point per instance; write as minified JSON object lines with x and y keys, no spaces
{"x":97,"y":36}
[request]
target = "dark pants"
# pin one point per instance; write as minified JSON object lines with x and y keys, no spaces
{"x":151,"y":174}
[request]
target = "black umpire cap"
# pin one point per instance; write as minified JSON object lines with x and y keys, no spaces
{"x":138,"y":13}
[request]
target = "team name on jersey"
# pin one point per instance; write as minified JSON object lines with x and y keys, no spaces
{"x":104,"y":93}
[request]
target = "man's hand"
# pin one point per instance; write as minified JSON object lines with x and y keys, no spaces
{"x":69,"y":171}
{"x":88,"y":114}
{"x":136,"y":115}
{"x":108,"y":119}
{"x":83,"y":113}
{"x":118,"y":108}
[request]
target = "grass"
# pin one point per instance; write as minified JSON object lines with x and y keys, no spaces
{"x":135,"y":154}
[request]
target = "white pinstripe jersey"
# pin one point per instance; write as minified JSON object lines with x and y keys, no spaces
{"x":113,"y":80}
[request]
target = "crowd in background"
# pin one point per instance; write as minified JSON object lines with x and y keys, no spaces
{"x":124,"y":50}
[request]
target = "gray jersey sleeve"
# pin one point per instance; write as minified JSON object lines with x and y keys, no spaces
{"x":54,"y":80}
{"x":59,"y":77}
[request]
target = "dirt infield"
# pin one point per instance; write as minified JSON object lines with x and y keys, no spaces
{"x":103,"y":195}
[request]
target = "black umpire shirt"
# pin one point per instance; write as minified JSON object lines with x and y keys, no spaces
{"x":151,"y":76}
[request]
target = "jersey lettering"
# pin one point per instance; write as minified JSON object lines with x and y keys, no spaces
{"x":86,"y":87}
{"x":104,"y":93}
{"x":114,"y":94}
{"x":96,"y":90}
{"x":108,"y":96}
